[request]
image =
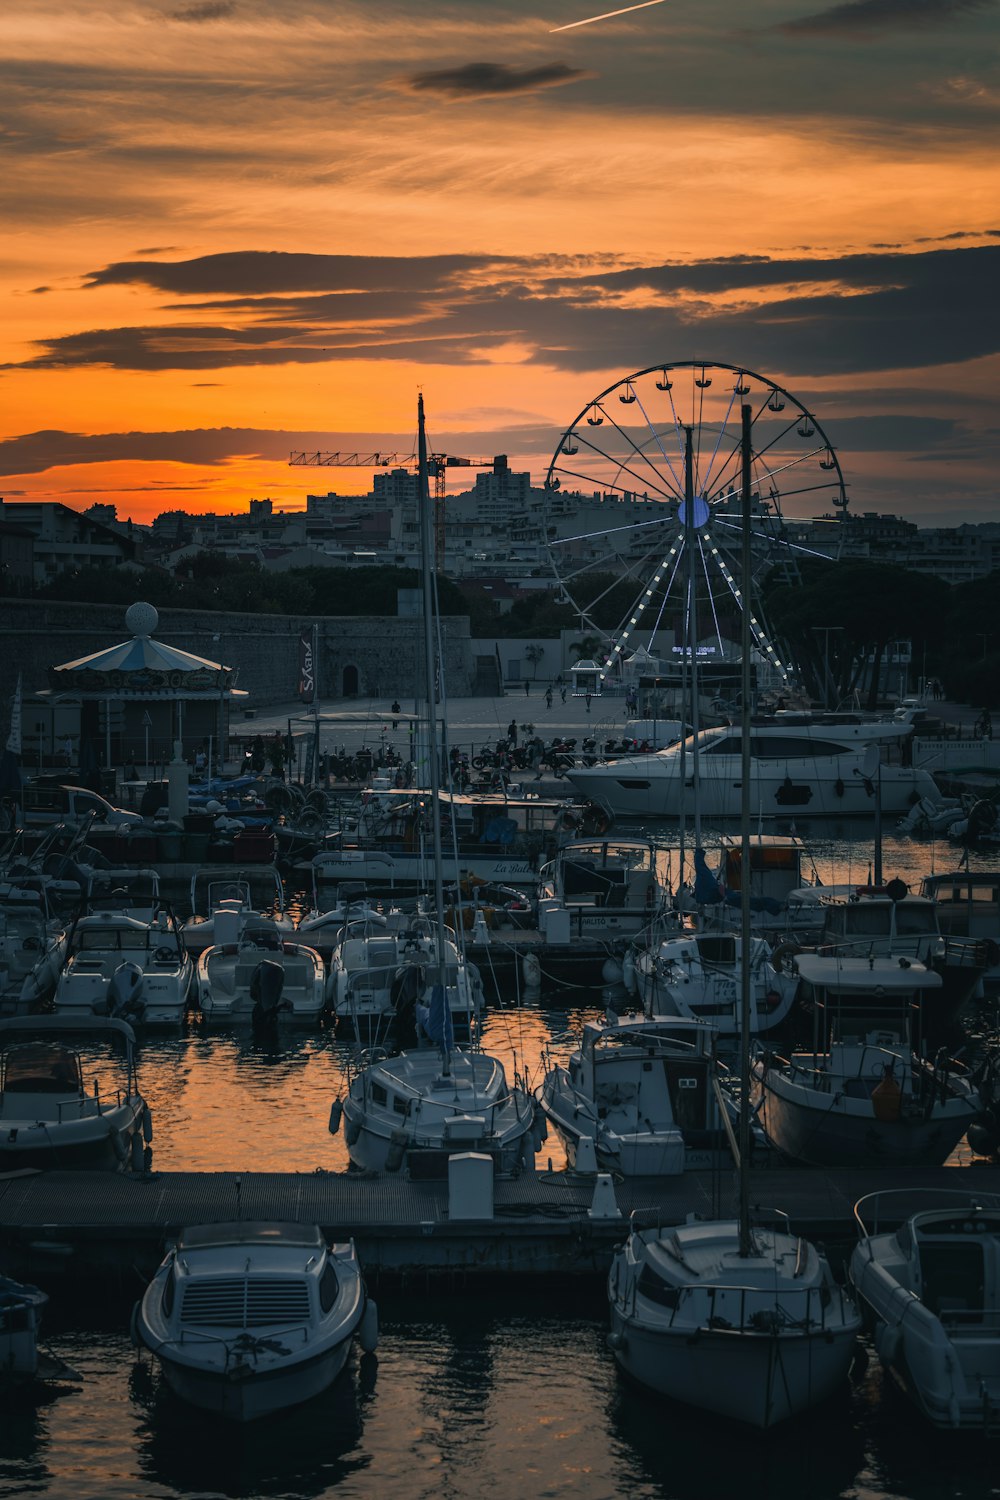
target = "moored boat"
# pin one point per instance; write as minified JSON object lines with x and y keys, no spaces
{"x":931,"y":1287}
{"x":249,"y":1318}
{"x":864,"y":1093}
{"x":69,"y":1094}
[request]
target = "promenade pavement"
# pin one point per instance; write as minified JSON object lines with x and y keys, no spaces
{"x":473,"y":722}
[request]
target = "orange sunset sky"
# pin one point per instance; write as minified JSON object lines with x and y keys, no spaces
{"x":235,"y":228}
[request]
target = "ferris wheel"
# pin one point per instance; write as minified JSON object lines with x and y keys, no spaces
{"x":643,"y":510}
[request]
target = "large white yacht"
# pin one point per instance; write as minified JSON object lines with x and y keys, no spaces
{"x":802,"y":765}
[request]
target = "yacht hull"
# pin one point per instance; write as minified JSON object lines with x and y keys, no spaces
{"x":248,"y":1393}
{"x":760,"y":1379}
{"x":820,"y":1130}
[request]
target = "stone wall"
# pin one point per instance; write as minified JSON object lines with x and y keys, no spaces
{"x":358,"y":656}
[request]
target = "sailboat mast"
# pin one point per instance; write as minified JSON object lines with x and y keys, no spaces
{"x":746,"y":562}
{"x":427,"y":583}
{"x":690,"y":542}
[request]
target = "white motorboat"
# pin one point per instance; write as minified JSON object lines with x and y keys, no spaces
{"x":414,"y":1111}
{"x":800,"y":766}
{"x":20,"y":1320}
{"x":698,"y":975}
{"x":120,"y":964}
{"x":758,"y":1336}
{"x":254,"y":976}
{"x":865,"y":1093}
{"x":249,"y":1318}
{"x":603,"y":888}
{"x":889,"y":922}
{"x":968,"y":905}
{"x":381,"y":968}
{"x":69,"y":1095}
{"x":642,"y":1092}
{"x":254,"y":893}
{"x":932,"y":1288}
{"x":32,"y":951}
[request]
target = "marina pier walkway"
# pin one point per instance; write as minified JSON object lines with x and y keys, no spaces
{"x":91,"y":1223}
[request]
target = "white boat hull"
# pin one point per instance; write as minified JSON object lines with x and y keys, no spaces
{"x":821,"y":1130}
{"x":250,"y":1393}
{"x":826,"y":788}
{"x":760,"y":1379}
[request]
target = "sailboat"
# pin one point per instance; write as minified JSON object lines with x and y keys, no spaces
{"x":418,"y":1108}
{"x":744,"y":1321}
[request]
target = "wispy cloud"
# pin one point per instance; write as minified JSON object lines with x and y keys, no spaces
{"x":210,"y":10}
{"x":483,"y":80}
{"x":865,"y":16}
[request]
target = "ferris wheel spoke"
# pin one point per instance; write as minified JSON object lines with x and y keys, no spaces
{"x":641,"y":453}
{"x":711,"y":596}
{"x":656,"y":436}
{"x":703,"y":488}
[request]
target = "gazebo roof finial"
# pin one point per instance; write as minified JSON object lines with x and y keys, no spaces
{"x":142,"y":619}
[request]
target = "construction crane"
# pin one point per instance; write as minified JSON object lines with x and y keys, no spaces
{"x":437,"y":466}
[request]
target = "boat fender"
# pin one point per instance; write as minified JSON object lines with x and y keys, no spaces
{"x":118,"y":1145}
{"x":531,"y":969}
{"x":611,"y":971}
{"x":838,"y":787}
{"x":397,"y":1150}
{"x":147,"y":1125}
{"x":336,"y":1114}
{"x":539,"y":1132}
{"x":352,"y":1131}
{"x":628,"y":972}
{"x":616,"y":1342}
{"x":983,"y":1134}
{"x":136,"y":1152}
{"x":147,"y":1159}
{"x":368,"y":1328}
{"x":133,"y":1327}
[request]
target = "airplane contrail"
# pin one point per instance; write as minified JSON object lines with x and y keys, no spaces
{"x":644,"y":4}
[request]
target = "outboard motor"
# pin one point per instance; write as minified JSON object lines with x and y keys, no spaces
{"x":266,"y":984}
{"x":125,"y":998}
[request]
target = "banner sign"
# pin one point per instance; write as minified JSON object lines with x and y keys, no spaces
{"x":307,"y":667}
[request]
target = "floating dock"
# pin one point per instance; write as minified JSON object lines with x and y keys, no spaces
{"x":60,"y":1224}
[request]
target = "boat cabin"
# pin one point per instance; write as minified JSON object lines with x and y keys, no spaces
{"x":855,"y":999}
{"x":775,"y":868}
{"x":41,"y":1068}
{"x":878,"y":924}
{"x":968,"y":904}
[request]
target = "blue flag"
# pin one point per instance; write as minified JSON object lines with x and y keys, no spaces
{"x":438,"y":1024}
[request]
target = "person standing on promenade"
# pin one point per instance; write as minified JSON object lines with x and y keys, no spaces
{"x":512,"y":733}
{"x":548,"y":697}
{"x":586,"y":698}
{"x":527,"y":687}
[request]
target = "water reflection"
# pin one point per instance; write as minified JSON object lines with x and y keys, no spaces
{"x":306,"y":1451}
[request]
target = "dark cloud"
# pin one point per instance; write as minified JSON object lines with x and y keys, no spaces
{"x":484,"y":80}
{"x":876,"y":311}
{"x":865,"y":16}
{"x":255,"y":272}
{"x":210,"y":10}
{"x":37,"y":452}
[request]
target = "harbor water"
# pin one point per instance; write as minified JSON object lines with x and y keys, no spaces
{"x":478,"y":1389}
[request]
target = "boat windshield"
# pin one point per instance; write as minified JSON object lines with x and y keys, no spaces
{"x":42,"y":1068}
